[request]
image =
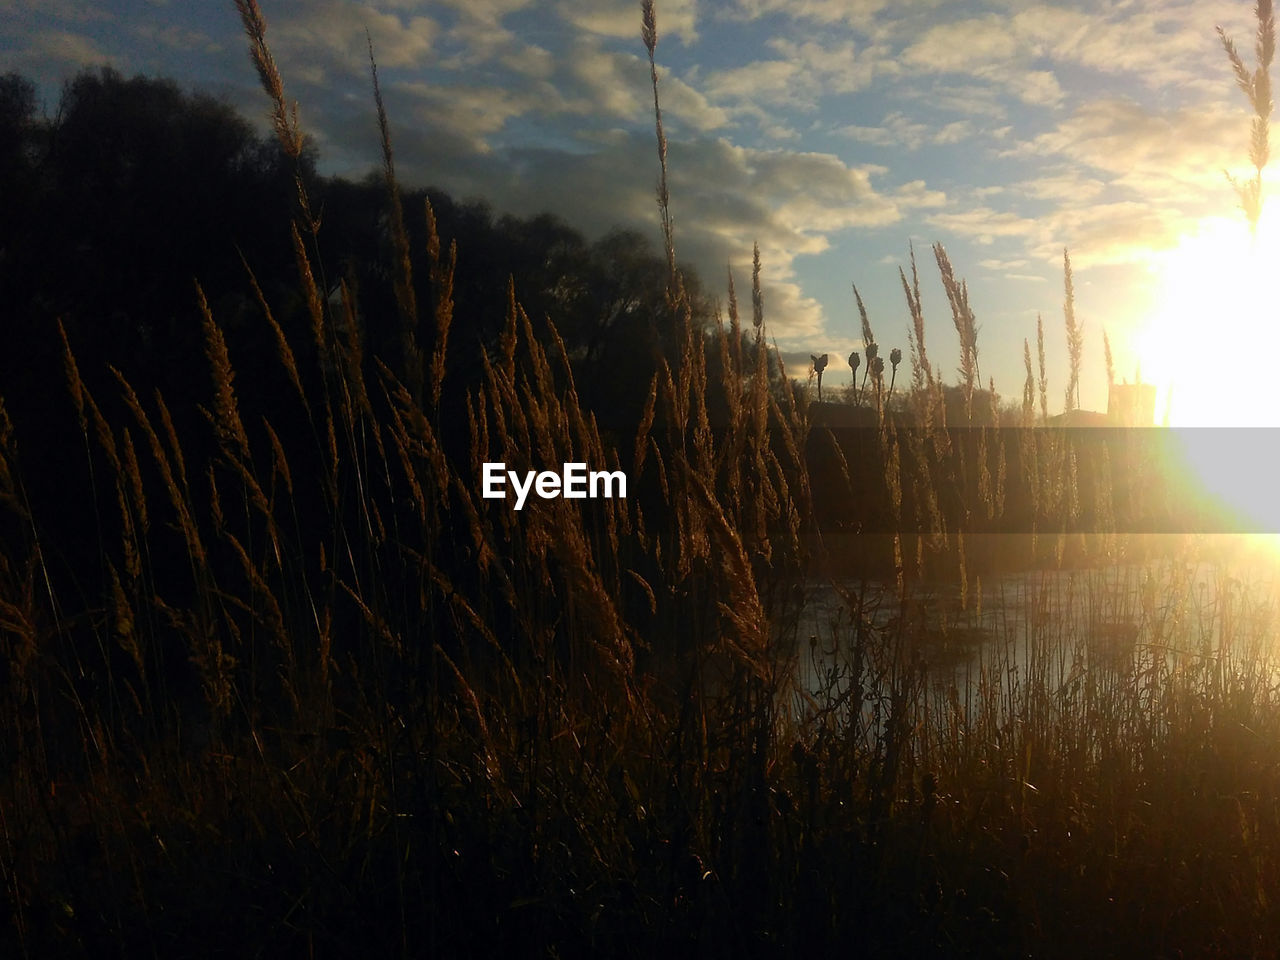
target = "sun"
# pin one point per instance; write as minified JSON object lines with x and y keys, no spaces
{"x":1210,"y":347}
{"x":1211,"y":340}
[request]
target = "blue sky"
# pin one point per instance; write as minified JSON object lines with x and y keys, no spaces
{"x":832,"y":133}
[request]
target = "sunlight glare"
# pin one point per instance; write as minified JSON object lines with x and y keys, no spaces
{"x":1210,"y":348}
{"x":1212,"y":338}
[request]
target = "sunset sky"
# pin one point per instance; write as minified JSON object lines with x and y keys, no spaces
{"x":832,"y":133}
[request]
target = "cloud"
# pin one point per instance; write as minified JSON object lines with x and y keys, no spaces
{"x":1018,"y":49}
{"x":724,"y":198}
{"x":998,"y":264}
{"x":477,"y":37}
{"x":964,"y":46}
{"x":621,"y":18}
{"x":855,"y":13}
{"x":1127,"y":179}
{"x":66,"y":11}
{"x":954,"y":132}
{"x":984,"y":48}
{"x":837,"y":67}
{"x":608,"y":81}
{"x":1037,"y":87}
{"x":1013,"y":106}
{"x":775,"y":82}
{"x":802,"y":74}
{"x":897,"y":130}
{"x":984,"y":225}
{"x":1121,"y":232}
{"x":1069,"y":185}
{"x":588,"y":86}
{"x":481,"y":11}
{"x":330,"y":36}
{"x":1120,"y":136}
{"x":470,"y":113}
{"x":687,"y":104}
{"x":63,"y":47}
{"x":916,"y":193}
{"x":1110,"y":233}
{"x":175,"y":37}
{"x":530,"y":61}
{"x":593,"y":80}
{"x":965,"y":99}
{"x":1158,"y":46}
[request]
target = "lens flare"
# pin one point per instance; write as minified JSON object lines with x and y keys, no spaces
{"x":1210,"y":347}
{"x":1211,"y":341}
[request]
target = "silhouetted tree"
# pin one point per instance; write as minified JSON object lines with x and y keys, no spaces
{"x":137,"y":189}
{"x":113,"y":209}
{"x":143,"y":189}
{"x":19,"y":143}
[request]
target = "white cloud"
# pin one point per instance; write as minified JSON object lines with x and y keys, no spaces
{"x":621,"y":18}
{"x":484,"y":11}
{"x":1038,"y":87}
{"x":1069,"y":185}
{"x":964,"y":46}
{"x":857,"y":13}
{"x":530,"y":61}
{"x":965,"y":99}
{"x":74,"y":50}
{"x":984,"y":48}
{"x":334,"y":35}
{"x":1157,"y":47}
{"x":1123,"y":232}
{"x":604,"y":80}
{"x":1119,"y":136}
{"x":916,"y":193}
{"x":468,"y":112}
{"x":954,"y":132}
{"x":897,"y":130}
{"x":775,"y":82}
{"x":1109,"y":233}
{"x":687,"y":104}
{"x":799,"y":78}
{"x":478,"y":37}
{"x":984,"y":225}
{"x":837,"y":67}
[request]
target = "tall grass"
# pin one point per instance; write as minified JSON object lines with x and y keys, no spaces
{"x":1256,"y":86}
{"x":326,"y":699}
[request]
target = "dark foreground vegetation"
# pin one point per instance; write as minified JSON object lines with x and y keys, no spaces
{"x":277,"y":681}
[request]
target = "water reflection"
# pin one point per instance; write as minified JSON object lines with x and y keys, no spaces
{"x":1056,"y":632}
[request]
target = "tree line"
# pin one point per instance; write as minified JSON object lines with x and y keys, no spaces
{"x":134,"y":190}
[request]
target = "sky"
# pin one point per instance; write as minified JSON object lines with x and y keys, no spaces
{"x":835,"y":135}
